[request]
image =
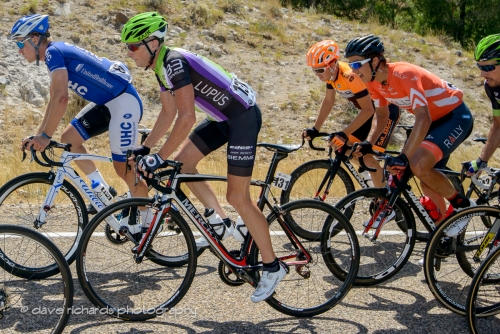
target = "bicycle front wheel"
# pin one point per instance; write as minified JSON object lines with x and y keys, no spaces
{"x":483,"y":300}
{"x":311,"y":289}
{"x":112,"y":279}
{"x":20,"y":202}
{"x":449,"y":263}
{"x":35,"y":306}
{"x":306,"y":180}
{"x":383,"y":257}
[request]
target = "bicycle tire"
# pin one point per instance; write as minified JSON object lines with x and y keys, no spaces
{"x":380,"y":260}
{"x":20,"y":201}
{"x":26,"y":300}
{"x":305,"y":181}
{"x":301,"y":296}
{"x":483,"y":302}
{"x":450,"y":276}
{"x":145,"y":289}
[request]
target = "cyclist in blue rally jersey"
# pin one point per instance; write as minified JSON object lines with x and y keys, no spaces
{"x":487,"y":54}
{"x":190,"y":82}
{"x":114,"y":104}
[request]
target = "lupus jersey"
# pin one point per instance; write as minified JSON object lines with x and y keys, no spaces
{"x":409,"y":86}
{"x":218,"y":93}
{"x":348,"y":84}
{"x":96,"y":79}
{"x":494,"y":95}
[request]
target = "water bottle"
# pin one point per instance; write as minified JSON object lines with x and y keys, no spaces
{"x":218,"y":224}
{"x":101,"y":192}
{"x":367,"y":177}
{"x":240,"y":230}
{"x":431,"y":208}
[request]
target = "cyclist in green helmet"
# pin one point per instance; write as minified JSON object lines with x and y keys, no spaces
{"x":188,"y":83}
{"x":487,"y":55}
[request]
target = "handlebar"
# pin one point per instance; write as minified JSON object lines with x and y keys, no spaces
{"x":48,"y":161}
{"x":310,"y":141}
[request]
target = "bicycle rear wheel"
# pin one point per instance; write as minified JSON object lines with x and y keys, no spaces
{"x":306,"y":179}
{"x":483,"y":300}
{"x":448,"y":262}
{"x":111,"y":278}
{"x":36,"y":306}
{"x":311,"y":289}
{"x":20,"y":202}
{"x":383,"y":258}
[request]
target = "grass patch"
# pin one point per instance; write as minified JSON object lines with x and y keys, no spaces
{"x":203,"y":16}
{"x":30,"y":7}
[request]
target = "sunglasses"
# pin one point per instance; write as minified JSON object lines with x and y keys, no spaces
{"x":356,"y":65}
{"x":487,"y":68}
{"x":319,"y":70}
{"x":20,"y":44}
{"x":136,"y":46}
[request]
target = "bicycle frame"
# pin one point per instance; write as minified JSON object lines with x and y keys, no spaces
{"x":174,"y":193}
{"x":65,"y":171}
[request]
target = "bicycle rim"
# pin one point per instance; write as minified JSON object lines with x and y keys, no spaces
{"x":311,"y":289}
{"x":483,"y":301}
{"x":36,"y":306}
{"x":111,"y":278}
{"x":448,"y":264}
{"x":20,"y":203}
{"x":382,"y":259}
{"x":306,"y":179}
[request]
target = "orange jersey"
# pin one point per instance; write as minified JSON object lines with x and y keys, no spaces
{"x":409,"y":86}
{"x":348,"y":84}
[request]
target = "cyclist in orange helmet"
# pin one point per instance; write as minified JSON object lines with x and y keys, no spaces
{"x":323,"y":58}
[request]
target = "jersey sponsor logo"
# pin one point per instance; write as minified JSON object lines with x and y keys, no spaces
{"x":417,"y":99}
{"x":453,"y":136}
{"x":48,"y":56}
{"x":210,"y":92}
{"x":126,"y":133}
{"x":81,"y":90}
{"x":173,"y":68}
{"x":403,"y":102}
{"x":85,"y":123}
{"x":127,"y":116}
{"x":346,"y":93}
{"x":399,"y":75}
{"x":85,"y":52}
{"x":240,"y":153}
{"x":385,"y":133}
{"x":80,"y":68}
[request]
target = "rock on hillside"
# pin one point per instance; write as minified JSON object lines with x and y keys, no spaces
{"x":261,"y":42}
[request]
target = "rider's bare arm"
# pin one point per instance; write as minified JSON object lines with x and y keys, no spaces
{"x":378,"y":124}
{"x":366,"y":112}
{"x":183,"y":101}
{"x":420,"y":129}
{"x":326,"y":108}
{"x":493,"y":140}
{"x":58,"y":102}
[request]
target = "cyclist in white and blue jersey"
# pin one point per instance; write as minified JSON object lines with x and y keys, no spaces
{"x":190,"y":82}
{"x":114,"y":104}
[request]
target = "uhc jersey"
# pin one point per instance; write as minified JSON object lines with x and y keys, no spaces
{"x":409,"y":86}
{"x":494,"y":95}
{"x":96,"y":79}
{"x":218,"y":93}
{"x":348,"y":84}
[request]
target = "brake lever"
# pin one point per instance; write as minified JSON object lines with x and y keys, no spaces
{"x":138,"y":174}
{"x":33,"y":153}
{"x":128,"y":167}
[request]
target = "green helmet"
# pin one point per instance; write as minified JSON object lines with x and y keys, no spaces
{"x":143,"y":26}
{"x":488,"y":48}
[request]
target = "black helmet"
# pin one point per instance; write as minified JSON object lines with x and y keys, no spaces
{"x":364,"y":46}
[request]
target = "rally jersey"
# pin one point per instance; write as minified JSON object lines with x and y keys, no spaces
{"x":96,"y":79}
{"x":494,"y":95}
{"x":348,"y":84}
{"x":409,"y":86}
{"x":218,"y":93}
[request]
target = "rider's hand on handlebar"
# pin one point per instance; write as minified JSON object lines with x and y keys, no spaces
{"x":310,"y":133}
{"x":365,"y":147}
{"x":149,"y":164}
{"x":475,"y":166}
{"x":39,"y":143}
{"x":337,"y":140}
{"x":396,"y":165}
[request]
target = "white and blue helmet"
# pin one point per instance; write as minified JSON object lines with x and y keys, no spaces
{"x":30,"y":24}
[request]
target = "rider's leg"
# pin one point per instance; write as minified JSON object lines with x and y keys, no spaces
{"x":190,"y":155}
{"x":377,"y":175}
{"x":139,"y":190}
{"x":71,"y":135}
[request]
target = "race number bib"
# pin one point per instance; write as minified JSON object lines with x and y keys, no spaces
{"x":119,"y":69}
{"x":281,"y":181}
{"x":243,"y":90}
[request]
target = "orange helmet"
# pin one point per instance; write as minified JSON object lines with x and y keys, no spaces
{"x":322,"y":54}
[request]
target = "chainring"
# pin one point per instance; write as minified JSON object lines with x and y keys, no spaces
{"x":226,"y":275}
